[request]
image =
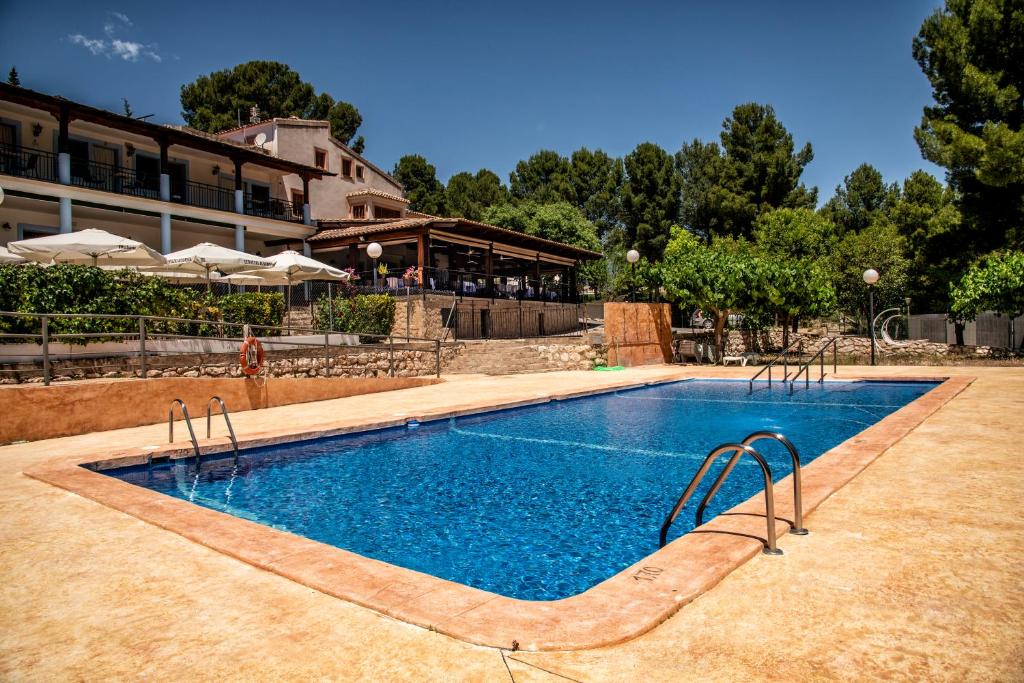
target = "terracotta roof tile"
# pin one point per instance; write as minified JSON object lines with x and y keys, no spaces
{"x":373,"y":192}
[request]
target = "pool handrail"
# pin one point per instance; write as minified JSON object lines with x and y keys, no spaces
{"x":188,"y":423}
{"x":784,"y":357}
{"x":820,"y":356}
{"x":797,"y":525}
{"x":770,"y":547}
{"x":227,"y":420}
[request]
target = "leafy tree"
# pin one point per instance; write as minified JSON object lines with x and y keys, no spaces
{"x":755,"y":169}
{"x":879,"y":246}
{"x":700,"y":167}
{"x":650,"y":199}
{"x":544,"y":177}
{"x":596,"y":180}
{"x":468,"y":195}
{"x":560,"y":222}
{"x":795,"y":245}
{"x":927,"y":217}
{"x":972,"y":52}
{"x":422,"y":188}
{"x":996,"y":284}
{"x":127,"y":107}
{"x":13,"y":78}
{"x":718,"y":277}
{"x":214,"y":102}
{"x":860,"y":200}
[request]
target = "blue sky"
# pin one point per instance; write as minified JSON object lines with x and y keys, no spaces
{"x":479,"y":84}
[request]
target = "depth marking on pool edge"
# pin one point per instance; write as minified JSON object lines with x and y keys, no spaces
{"x":647,"y":573}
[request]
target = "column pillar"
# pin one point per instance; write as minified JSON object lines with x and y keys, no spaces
{"x":63,"y":148}
{"x":165,"y":233}
{"x":306,"y":250}
{"x":306,"y":214}
{"x":165,"y":187}
{"x":239,"y":192}
{"x":240,"y":237}
{"x":65,"y":214}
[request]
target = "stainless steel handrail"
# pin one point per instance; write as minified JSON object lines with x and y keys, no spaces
{"x":769,"y":500}
{"x":797,"y":527}
{"x":784,"y":357}
{"x":188,"y":423}
{"x":227,"y":420}
{"x":820,"y":355}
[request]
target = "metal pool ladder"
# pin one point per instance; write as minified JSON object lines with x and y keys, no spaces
{"x":227,"y":421}
{"x":783,"y":356}
{"x":738,"y":450}
{"x":819,"y":355}
{"x":188,"y":423}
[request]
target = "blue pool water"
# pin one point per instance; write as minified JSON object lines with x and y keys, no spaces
{"x":537,"y":503}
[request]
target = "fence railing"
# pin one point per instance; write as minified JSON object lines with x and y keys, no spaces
{"x":467,"y":284}
{"x":28,"y":163}
{"x":515,"y":322}
{"x":38,"y":164}
{"x":153,"y":342}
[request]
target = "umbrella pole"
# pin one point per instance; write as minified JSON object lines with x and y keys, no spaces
{"x":289,"y":305}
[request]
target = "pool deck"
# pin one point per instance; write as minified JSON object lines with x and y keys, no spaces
{"x":912,"y":570}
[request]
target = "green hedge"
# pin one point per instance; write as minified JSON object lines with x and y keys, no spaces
{"x":84,"y":289}
{"x":365,"y":313}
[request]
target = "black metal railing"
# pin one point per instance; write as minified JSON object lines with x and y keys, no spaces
{"x":467,"y":284}
{"x":28,"y":163}
{"x":95,"y":175}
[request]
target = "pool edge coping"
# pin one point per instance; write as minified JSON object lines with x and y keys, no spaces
{"x":618,"y":609}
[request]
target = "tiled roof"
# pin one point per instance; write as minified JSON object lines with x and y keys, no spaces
{"x":369,"y":228}
{"x":360,"y":228}
{"x":373,"y":192}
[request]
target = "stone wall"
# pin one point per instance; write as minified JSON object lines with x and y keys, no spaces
{"x":361,"y":361}
{"x":849,"y":346}
{"x":505,"y":357}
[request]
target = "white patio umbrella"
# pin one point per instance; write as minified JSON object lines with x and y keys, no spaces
{"x":7,"y":258}
{"x":206,"y":257}
{"x":291,"y":267}
{"x":89,"y":247}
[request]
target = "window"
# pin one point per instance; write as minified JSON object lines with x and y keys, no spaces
{"x":298,"y":199}
{"x":346,"y":168}
{"x":8,"y":134}
{"x":320,"y":158}
{"x":147,"y":170}
{"x":382,"y":212}
{"x":359,"y":211}
{"x":359,"y":172}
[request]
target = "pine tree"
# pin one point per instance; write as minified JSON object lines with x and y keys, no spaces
{"x":13,"y":78}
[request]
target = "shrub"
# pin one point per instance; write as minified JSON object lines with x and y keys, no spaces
{"x":254,"y":308}
{"x":84,"y":289}
{"x":363,"y":313}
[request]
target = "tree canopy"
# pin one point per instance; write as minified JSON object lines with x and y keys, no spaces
{"x":544,"y":177}
{"x":860,"y":200}
{"x":13,"y":78}
{"x":422,"y":188}
{"x":650,"y":199}
{"x":972,"y":52}
{"x":468,"y":195}
{"x":561,"y":222}
{"x":996,"y":284}
{"x":755,"y":168}
{"x":217,"y":101}
{"x":596,"y":179}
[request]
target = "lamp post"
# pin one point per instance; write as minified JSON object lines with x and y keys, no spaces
{"x":870,"y":278}
{"x":633,"y":256}
{"x":374,"y":250}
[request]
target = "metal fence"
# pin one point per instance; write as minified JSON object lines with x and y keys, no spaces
{"x":988,"y":329}
{"x":468,"y":321}
{"x":135,"y":345}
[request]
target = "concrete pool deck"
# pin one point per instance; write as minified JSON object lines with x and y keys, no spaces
{"x":912,"y":568}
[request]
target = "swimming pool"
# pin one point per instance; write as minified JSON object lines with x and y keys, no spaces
{"x":538,"y":503}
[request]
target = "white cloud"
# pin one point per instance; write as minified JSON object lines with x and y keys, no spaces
{"x":114,"y":46}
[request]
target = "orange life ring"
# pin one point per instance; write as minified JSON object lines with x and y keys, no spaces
{"x":251,"y":356}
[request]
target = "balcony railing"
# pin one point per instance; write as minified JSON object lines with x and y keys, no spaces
{"x":39,"y":165}
{"x":28,"y":163}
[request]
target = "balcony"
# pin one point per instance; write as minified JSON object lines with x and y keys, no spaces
{"x":466,"y":284}
{"x":36,"y":164}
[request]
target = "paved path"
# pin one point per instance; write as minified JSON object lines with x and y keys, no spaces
{"x":912,"y":571}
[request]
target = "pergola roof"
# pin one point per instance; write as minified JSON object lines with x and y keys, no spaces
{"x":349,"y":231}
{"x":173,"y":135}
